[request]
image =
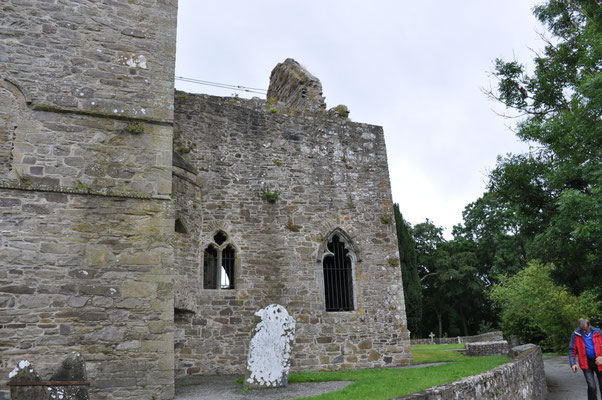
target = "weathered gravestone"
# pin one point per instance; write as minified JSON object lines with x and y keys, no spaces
{"x":270,"y":348}
{"x":67,"y":383}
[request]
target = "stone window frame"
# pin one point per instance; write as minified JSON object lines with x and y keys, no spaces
{"x":21,"y":100}
{"x":353,"y":254}
{"x":228,"y":242}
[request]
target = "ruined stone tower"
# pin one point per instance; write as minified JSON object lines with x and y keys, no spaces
{"x":86,"y":122}
{"x":293,"y":86}
{"x":145,"y":239}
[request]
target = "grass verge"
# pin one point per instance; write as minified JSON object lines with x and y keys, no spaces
{"x":377,"y":384}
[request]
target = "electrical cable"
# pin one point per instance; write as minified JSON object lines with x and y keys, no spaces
{"x":222,"y":85}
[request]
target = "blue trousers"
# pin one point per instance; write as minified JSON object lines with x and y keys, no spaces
{"x":590,"y":378}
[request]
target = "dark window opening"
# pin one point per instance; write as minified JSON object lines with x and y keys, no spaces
{"x":210,"y":269}
{"x":220,"y":237}
{"x":182,"y":315}
{"x":338,"y":279}
{"x":180,"y":226}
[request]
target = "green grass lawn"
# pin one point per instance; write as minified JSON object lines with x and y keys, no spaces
{"x":429,"y":353}
{"x":375,"y":384}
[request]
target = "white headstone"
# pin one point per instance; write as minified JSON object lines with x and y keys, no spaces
{"x":432,"y":335}
{"x":270,"y":348}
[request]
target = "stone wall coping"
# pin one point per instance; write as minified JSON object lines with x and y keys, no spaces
{"x":487,"y":343}
{"x":523,"y":350}
{"x":463,"y":339}
{"x":262,"y":106}
{"x":522,"y":354}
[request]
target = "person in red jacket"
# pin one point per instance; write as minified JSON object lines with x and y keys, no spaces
{"x":586,"y":344}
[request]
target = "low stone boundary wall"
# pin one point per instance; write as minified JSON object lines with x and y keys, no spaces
{"x":485,"y":337}
{"x":497,"y":348}
{"x":522,"y":378}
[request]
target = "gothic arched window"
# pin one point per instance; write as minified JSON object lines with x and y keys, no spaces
{"x":219,"y":261}
{"x":338,"y":276}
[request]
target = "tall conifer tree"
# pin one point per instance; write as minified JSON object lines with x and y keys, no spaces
{"x":409,"y":270}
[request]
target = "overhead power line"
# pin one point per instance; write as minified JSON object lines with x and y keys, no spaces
{"x":223,"y":85}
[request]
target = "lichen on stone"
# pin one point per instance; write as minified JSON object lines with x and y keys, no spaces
{"x":270,"y":349}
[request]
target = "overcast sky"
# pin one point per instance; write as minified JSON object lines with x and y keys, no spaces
{"x":417,"y":68}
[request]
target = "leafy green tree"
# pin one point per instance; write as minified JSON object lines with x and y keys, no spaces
{"x":465,"y":286}
{"x":453,"y":289}
{"x":432,"y":260}
{"x":412,"y":288}
{"x":538,"y":310}
{"x":502,"y":223}
{"x":552,"y":195}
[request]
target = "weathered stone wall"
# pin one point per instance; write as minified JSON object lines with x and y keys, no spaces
{"x":330,"y":174}
{"x":522,"y":378}
{"x":497,"y":348}
{"x":86,"y":109}
{"x":90,"y":274}
{"x":114,"y":57}
{"x":87,"y":235}
{"x":484,"y":337}
{"x":89,"y":152}
{"x":187,"y":185}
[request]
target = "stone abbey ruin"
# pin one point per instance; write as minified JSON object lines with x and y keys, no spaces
{"x":142,"y":227}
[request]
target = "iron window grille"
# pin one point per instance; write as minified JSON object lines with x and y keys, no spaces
{"x":338,"y":276}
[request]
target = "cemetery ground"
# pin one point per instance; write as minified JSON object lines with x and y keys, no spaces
{"x":433,"y":365}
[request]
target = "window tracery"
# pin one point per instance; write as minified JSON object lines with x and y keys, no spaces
{"x":219,"y":263}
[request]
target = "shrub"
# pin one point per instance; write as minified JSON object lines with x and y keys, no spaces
{"x":538,"y":310}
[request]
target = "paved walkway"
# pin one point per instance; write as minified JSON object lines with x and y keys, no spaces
{"x":224,"y":387}
{"x":562,"y":383}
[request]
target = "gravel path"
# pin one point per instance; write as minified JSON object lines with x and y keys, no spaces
{"x":224,"y":387}
{"x":562,"y":383}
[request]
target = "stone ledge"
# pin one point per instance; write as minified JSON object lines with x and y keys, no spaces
{"x":100,"y":114}
{"x":13,"y":185}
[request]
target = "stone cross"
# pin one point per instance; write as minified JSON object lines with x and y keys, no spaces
{"x":432,"y":335}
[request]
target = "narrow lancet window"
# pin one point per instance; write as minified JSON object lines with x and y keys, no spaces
{"x":210,"y":268}
{"x":338,"y":277}
{"x":228,"y":268}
